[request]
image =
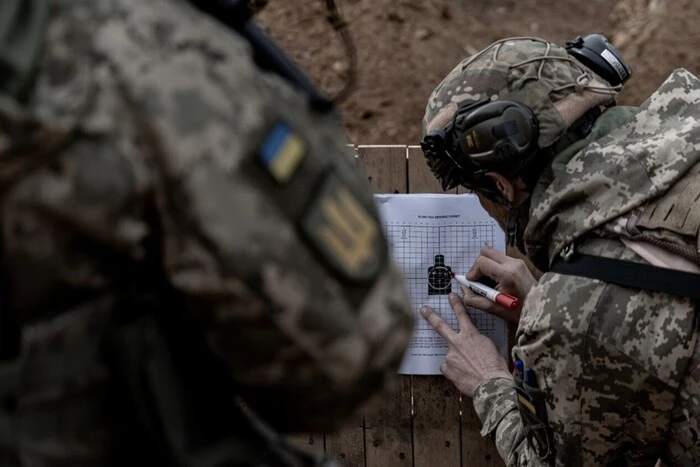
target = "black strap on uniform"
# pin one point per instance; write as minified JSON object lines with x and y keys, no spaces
{"x":236,"y":14}
{"x":630,"y":274}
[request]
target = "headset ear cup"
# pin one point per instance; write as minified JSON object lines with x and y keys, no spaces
{"x":505,"y":153}
{"x":498,"y":136}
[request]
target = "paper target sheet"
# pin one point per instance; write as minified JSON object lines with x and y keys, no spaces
{"x":431,"y":236}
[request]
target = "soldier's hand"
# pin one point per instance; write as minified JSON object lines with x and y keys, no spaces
{"x":471,"y":358}
{"x":512,"y":277}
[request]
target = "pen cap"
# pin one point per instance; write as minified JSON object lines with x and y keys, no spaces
{"x":507,"y":301}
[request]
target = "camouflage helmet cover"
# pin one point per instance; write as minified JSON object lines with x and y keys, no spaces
{"x":540,"y":74}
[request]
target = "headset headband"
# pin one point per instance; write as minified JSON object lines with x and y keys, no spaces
{"x":501,"y":135}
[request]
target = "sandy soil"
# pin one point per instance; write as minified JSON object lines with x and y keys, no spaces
{"x":405,"y":47}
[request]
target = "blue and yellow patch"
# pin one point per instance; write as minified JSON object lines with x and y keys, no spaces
{"x":281,"y":152}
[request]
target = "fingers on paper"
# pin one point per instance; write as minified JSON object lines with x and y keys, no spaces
{"x":440,"y":326}
{"x":460,"y":310}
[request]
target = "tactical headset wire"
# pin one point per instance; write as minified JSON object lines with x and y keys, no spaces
{"x":340,"y":27}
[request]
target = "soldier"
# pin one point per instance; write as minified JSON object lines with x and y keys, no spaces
{"x":602,"y":199}
{"x":191,"y":263}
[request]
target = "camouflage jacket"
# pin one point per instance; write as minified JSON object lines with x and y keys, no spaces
{"x":618,"y":368}
{"x":150,"y":133}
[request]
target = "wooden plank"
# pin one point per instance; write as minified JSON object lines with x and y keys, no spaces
{"x":388,"y":432}
{"x":419,"y":175}
{"x":436,"y":402}
{"x":385,"y":167}
{"x":420,"y":179}
{"x":347,"y":446}
{"x":436,"y":422}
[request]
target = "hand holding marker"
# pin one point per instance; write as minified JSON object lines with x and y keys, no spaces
{"x":505,"y":300}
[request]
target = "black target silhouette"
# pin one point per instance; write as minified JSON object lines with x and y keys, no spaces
{"x":439,"y":277}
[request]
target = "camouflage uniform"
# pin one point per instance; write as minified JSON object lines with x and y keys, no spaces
{"x":145,"y":150}
{"x":618,"y":368}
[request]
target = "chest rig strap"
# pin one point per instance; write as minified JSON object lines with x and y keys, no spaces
{"x":630,"y":274}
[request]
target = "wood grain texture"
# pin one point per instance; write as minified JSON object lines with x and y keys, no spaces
{"x":388,"y":428}
{"x":436,"y":422}
{"x":385,"y":167}
{"x":347,"y":445}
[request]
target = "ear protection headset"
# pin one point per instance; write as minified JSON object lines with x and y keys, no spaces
{"x":599,"y":55}
{"x":501,"y":136}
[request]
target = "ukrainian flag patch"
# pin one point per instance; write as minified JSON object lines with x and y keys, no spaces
{"x":281,"y":152}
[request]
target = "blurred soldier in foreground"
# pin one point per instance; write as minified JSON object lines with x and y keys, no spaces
{"x":604,"y":200}
{"x":191,"y":262}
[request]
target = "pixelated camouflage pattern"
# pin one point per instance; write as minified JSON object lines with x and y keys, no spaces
{"x":648,"y":150}
{"x":513,"y":69}
{"x":498,"y":411}
{"x":619,"y":366}
{"x":165,"y":110}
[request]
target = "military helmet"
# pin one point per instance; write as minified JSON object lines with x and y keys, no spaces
{"x":497,"y":109}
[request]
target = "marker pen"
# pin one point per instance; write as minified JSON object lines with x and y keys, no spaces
{"x":505,"y":300}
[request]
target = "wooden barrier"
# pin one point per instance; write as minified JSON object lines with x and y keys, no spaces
{"x":425,"y":422}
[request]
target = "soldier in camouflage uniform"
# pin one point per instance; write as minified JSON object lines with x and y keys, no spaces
{"x":157,"y":189}
{"x":616,"y":369}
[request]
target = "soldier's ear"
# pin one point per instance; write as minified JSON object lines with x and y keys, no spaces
{"x":504,"y":185}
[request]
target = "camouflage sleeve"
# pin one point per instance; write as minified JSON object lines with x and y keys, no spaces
{"x":268,"y":228}
{"x":495,"y":404}
{"x":608,"y":361}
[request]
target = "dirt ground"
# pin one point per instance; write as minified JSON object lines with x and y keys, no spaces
{"x":405,"y":47}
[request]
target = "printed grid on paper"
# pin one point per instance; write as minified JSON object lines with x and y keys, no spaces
{"x":414,"y":248}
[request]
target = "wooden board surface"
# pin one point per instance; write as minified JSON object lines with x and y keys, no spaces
{"x":425,"y":421}
{"x":388,"y":430}
{"x":347,"y":446}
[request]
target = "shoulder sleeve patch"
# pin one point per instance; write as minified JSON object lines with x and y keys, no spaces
{"x":281,"y":152}
{"x":345,"y":232}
